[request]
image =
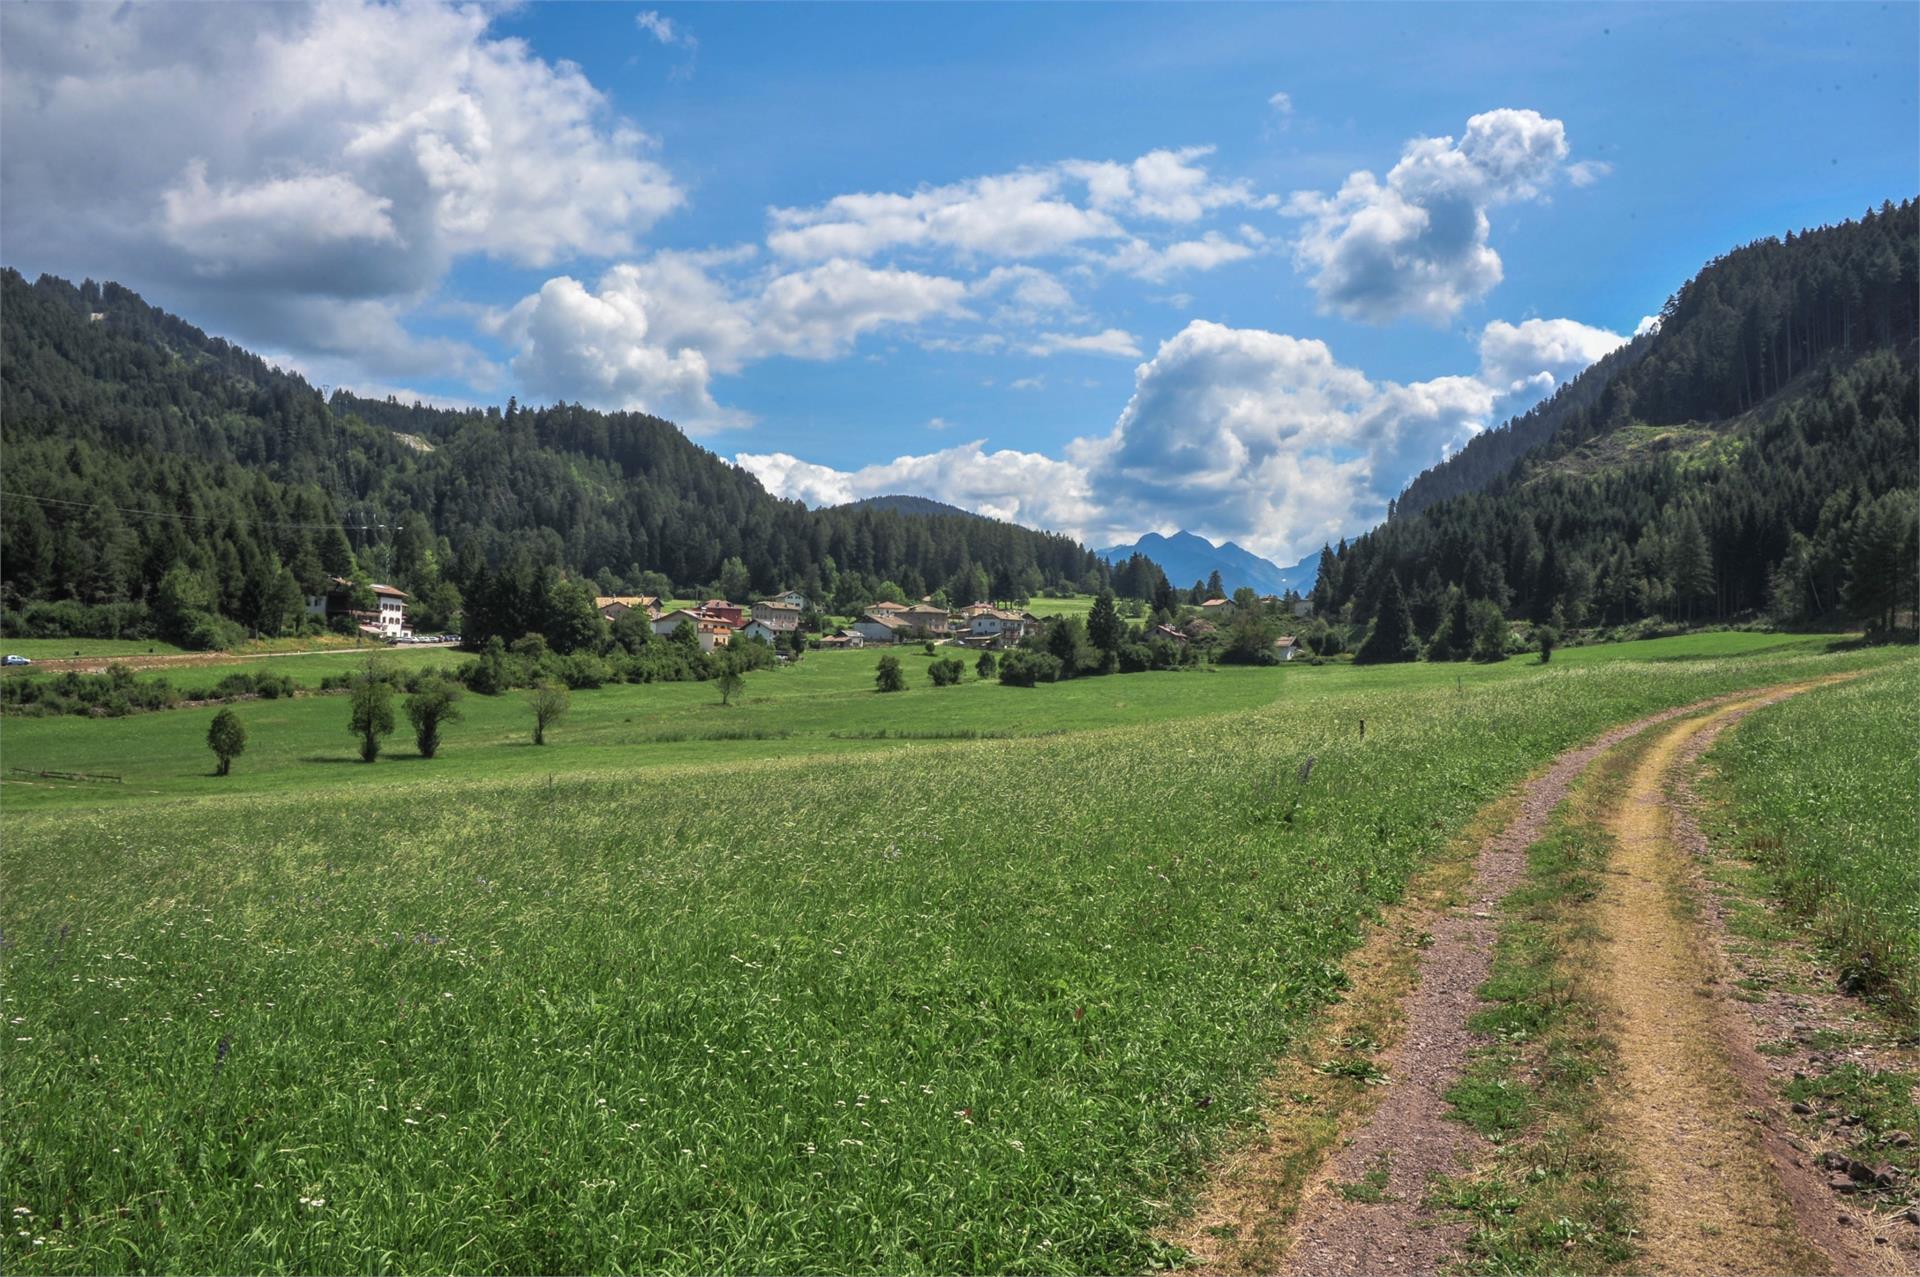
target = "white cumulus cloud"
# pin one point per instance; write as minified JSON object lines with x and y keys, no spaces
{"x":273,"y":164}
{"x":1416,"y":244}
{"x":1238,"y":433}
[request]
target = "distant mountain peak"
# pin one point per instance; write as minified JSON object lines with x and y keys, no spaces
{"x":1187,"y":557}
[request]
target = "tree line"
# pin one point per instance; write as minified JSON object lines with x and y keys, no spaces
{"x":163,"y":482}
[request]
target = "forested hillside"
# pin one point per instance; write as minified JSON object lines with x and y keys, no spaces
{"x":161,"y":480}
{"x":1756,"y":452}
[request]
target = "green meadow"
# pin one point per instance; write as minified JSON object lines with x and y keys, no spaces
{"x":1822,"y":795}
{"x":669,"y":995}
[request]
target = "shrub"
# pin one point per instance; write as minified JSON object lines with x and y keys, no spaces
{"x":549,"y":702}
{"x":1020,"y":668}
{"x":887,"y":676}
{"x":947,"y":672}
{"x":985,"y":666}
{"x":437,"y":702}
{"x":372,"y":716}
{"x":227,"y":738}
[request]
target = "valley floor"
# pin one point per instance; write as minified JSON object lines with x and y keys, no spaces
{"x":827,"y":1000}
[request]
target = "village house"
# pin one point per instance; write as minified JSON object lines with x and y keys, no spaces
{"x":731,"y":615}
{"x":1285,"y":647}
{"x":710,"y":632}
{"x":614,"y":606}
{"x":765,"y":632}
{"x":1002,"y":628}
{"x":777,"y":616}
{"x":843,"y":640}
{"x":925,"y":616}
{"x":792,"y":598}
{"x":876,"y":626}
{"x":1169,"y":633}
{"x":387,"y":619}
{"x":1214,"y":609}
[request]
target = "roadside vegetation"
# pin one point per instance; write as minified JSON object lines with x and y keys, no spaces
{"x":744,"y":1015}
{"x":1821,"y":794}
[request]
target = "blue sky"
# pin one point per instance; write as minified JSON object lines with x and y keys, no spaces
{"x":1107,"y":269}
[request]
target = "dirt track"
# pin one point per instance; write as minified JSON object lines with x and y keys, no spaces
{"x":1727,"y":1192}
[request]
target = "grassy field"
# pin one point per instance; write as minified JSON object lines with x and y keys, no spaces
{"x":1822,"y":793}
{"x":62,"y":649}
{"x":825,"y":705}
{"x":980,"y":1005}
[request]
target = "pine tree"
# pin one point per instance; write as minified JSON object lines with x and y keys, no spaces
{"x":1392,"y":637}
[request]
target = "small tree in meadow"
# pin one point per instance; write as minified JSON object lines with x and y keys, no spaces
{"x":985,"y":666}
{"x":887,"y":676}
{"x":729,"y":682}
{"x":435,"y":704}
{"x":1392,"y":637}
{"x":372,"y":716}
{"x":549,"y":702}
{"x":227,"y":738}
{"x":1490,"y":630}
{"x":947,"y":671}
{"x":1546,"y":638}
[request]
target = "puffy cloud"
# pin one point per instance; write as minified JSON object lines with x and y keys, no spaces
{"x":1143,"y":261}
{"x":650,"y":336}
{"x":1011,"y":215}
{"x":1030,"y":213}
{"x":1023,"y":487}
{"x":1281,"y":103}
{"x":1232,"y":432}
{"x":1162,"y":185}
{"x":1416,"y":244}
{"x":1516,"y":357}
{"x":1112,"y":341}
{"x":234,"y":155}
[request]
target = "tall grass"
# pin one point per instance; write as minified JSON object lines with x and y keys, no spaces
{"x":978,"y":1006}
{"x":1825,"y":790}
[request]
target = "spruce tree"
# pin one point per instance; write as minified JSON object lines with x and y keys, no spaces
{"x":1392,"y":637}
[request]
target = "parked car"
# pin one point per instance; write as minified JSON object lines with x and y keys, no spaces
{"x":17,"y":660}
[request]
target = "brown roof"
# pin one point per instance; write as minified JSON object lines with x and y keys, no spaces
{"x":883,"y":618}
{"x":886,"y":607}
{"x":389,"y":591}
{"x":626,"y":600}
{"x":1216,"y":603}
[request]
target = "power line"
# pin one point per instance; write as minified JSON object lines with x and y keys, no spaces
{"x":202,"y":518}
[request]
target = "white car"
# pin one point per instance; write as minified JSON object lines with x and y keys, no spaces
{"x":16,"y":660}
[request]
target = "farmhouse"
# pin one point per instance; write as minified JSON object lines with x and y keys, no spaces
{"x":1216,"y":608}
{"x":1285,"y":647}
{"x":614,"y":606}
{"x":765,"y":632}
{"x":925,"y":616}
{"x":388,"y":619}
{"x":728,"y":614}
{"x":792,"y":598}
{"x":1004,"y":628}
{"x":843,"y":640}
{"x":876,"y":626}
{"x":777,"y":616}
{"x":711,"y":633}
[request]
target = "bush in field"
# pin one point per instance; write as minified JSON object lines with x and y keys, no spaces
{"x":1021,"y":668}
{"x":227,"y":738}
{"x":887,"y":676}
{"x":1546,"y":638}
{"x":985,"y":666}
{"x":549,"y":703}
{"x":947,"y":672}
{"x":1490,"y":631}
{"x":435,"y":703}
{"x":372,"y":716}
